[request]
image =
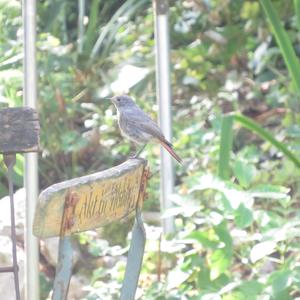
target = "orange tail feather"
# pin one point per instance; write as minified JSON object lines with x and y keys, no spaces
{"x":168,"y":147}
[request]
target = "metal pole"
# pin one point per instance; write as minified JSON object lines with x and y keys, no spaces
{"x":31,"y":159}
{"x":163,"y":91}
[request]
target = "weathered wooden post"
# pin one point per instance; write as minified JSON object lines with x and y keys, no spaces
{"x":19,"y":134}
{"x":89,"y":202}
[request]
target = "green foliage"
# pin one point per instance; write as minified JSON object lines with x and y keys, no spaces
{"x":253,"y":126}
{"x":284,"y":43}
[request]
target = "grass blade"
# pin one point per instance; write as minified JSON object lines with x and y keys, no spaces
{"x":254,"y":127}
{"x":297,"y":11}
{"x":92,"y":26}
{"x":283,"y":42}
{"x":109,"y":31}
{"x":225,"y":146}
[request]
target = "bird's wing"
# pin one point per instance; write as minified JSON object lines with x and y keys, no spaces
{"x":141,"y":120}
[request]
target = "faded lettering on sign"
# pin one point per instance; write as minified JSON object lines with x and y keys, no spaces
{"x":109,"y":200}
{"x":99,"y":200}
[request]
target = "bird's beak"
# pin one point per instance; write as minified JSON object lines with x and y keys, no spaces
{"x":113,"y":99}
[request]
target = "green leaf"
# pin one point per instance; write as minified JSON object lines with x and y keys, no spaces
{"x":249,"y":10}
{"x":280,"y":280}
{"x":204,"y":238}
{"x":244,"y":172}
{"x":251,"y":288}
{"x":283,"y":295}
{"x":232,"y":192}
{"x":221,"y":258}
{"x":176,"y":277}
{"x":219,"y":263}
{"x":183,"y":206}
{"x":236,"y":295}
{"x":203,"y":280}
{"x":243,"y":216}
{"x":211,"y":296}
{"x":262,"y":250}
{"x":269,"y":191}
{"x":224,"y":235}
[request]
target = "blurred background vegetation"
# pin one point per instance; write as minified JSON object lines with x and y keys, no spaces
{"x":236,"y":111}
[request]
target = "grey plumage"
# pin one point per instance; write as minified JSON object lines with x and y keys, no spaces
{"x":137,"y":126}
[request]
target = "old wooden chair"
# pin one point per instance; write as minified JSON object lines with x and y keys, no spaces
{"x":86,"y":203}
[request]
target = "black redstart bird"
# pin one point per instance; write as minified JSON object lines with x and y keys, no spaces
{"x":137,"y":126}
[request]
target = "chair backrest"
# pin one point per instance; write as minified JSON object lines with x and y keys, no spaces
{"x":89,"y":202}
{"x":19,"y":134}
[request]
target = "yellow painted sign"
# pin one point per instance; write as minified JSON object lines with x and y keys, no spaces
{"x":91,"y":201}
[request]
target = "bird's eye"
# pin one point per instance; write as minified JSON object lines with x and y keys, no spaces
{"x":118,"y":99}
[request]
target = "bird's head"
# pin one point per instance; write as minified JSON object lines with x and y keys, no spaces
{"x":122,"y":101}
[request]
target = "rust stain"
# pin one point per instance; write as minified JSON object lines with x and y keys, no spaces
{"x":68,"y":220}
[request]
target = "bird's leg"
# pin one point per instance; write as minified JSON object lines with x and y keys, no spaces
{"x":139,"y":152}
{"x":133,"y":151}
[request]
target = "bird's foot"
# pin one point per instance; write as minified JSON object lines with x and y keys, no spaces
{"x":133,"y":155}
{"x":137,"y":153}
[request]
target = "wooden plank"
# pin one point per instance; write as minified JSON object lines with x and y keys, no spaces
{"x":90,"y":201}
{"x":19,"y":130}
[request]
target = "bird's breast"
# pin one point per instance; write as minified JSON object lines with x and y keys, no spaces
{"x":132,"y":131}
